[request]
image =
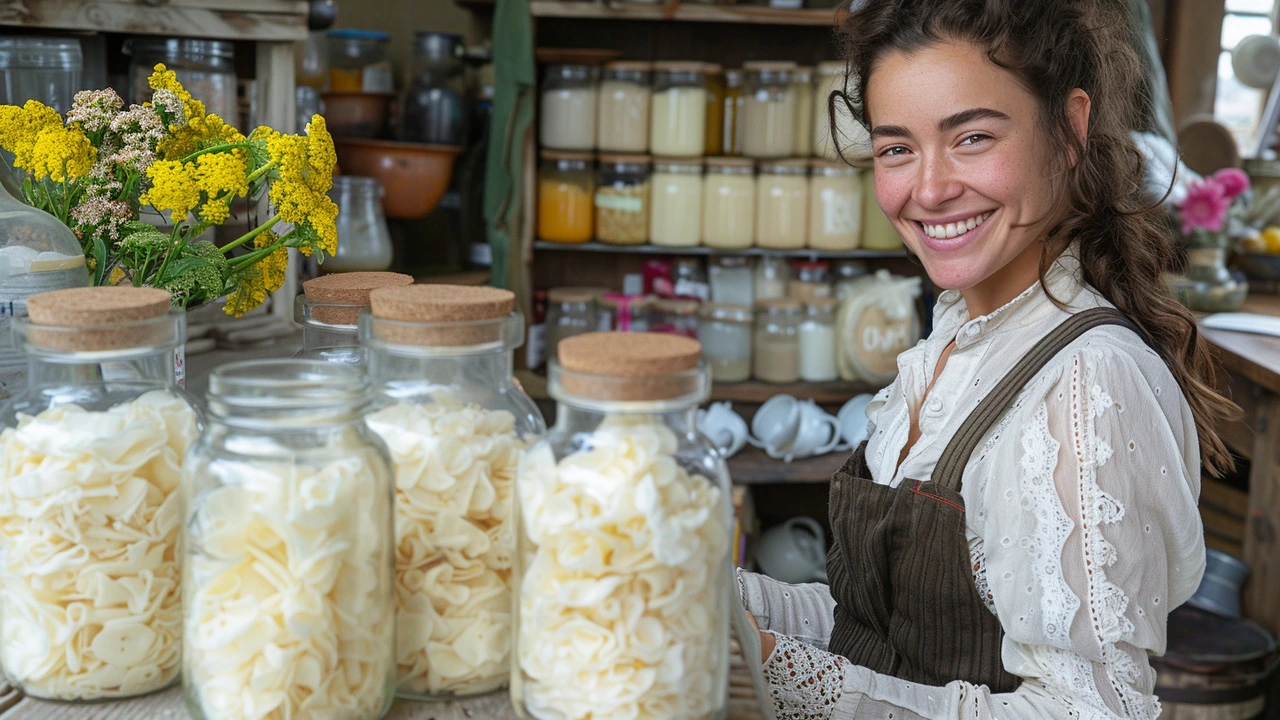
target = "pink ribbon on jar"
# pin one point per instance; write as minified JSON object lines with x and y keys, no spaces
{"x":624,"y":309}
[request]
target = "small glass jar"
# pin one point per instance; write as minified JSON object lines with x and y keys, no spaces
{"x":47,"y":69}
{"x":776,"y":344}
{"x":289,"y":547}
{"x":364,"y":242}
{"x":782,"y":204}
{"x":732,"y":281}
{"x":328,"y":310}
{"x":623,"y":313}
{"x":725,"y":333}
{"x":622,"y":200}
{"x":570,"y":311}
{"x":818,"y":341}
{"x":878,"y":232}
{"x":206,"y":68}
{"x":450,"y":411}
{"x":851,"y":138}
{"x":624,"y":523}
{"x":677,"y":124}
{"x":849,"y":273}
{"x":729,"y":203}
{"x":769,"y":115}
{"x":567,"y":111}
{"x":359,"y":61}
{"x":622,"y":119}
{"x":714,"y":140}
{"x":93,"y":451}
{"x":835,"y":206}
{"x":675,"y":219}
{"x":802,"y":86}
{"x":773,"y":277}
{"x":675,"y":316}
{"x":810,"y":279}
{"x":311,"y":62}
{"x":734,"y":103}
{"x":435,"y":108}
{"x":566,"y":197}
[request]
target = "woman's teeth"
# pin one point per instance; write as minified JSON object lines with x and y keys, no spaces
{"x":951,"y":230}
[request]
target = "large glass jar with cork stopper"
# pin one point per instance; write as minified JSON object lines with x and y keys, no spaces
{"x":329,"y":308}
{"x":624,"y":522}
{"x":455,"y":421}
{"x":94,"y":447}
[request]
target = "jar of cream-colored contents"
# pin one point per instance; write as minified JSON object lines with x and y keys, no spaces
{"x":622,"y":200}
{"x":729,"y":203}
{"x":877,"y":232}
{"x":625,"y":534}
{"x":566,"y":197}
{"x":802,"y":84}
{"x":675,"y":219}
{"x":725,"y":333}
{"x":93,"y":449}
{"x":776,"y":345}
{"x":769,"y":115}
{"x":455,"y":421}
{"x":732,"y":280}
{"x":622,"y":124}
{"x":714,"y":140}
{"x":848,"y":275}
{"x":851,"y":138}
{"x":567,"y":114}
{"x":782,"y":204}
{"x":818,"y":341}
{"x":677,"y":124}
{"x":734,"y":103}
{"x":328,"y":309}
{"x":835,"y":206}
{"x":773,"y":277}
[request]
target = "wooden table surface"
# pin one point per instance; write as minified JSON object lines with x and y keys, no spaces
{"x":1256,"y":357}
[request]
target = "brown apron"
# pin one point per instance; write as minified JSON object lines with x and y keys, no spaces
{"x":899,"y":563}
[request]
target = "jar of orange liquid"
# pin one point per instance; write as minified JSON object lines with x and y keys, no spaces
{"x":566,"y":186}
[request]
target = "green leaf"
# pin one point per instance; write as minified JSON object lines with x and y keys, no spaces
{"x":100,"y":256}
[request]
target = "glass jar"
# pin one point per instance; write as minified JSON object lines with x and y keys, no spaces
{"x":206,"y":68}
{"x":359,"y":61}
{"x":725,"y":333}
{"x":455,"y":420}
{"x":677,"y":123}
{"x":776,"y":345}
{"x":835,"y":206}
{"x":853,"y":141}
{"x":810,"y":279}
{"x":773,"y":277}
{"x":623,"y":313}
{"x":328,"y":310}
{"x":878,"y":232}
{"x":802,"y":87}
{"x":570,"y":311}
{"x":567,"y":112}
{"x":93,"y":450}
{"x":622,"y":122}
{"x":734,"y":103}
{"x":769,"y":115}
{"x":435,"y":106}
{"x":849,"y":273}
{"x":311,"y":62}
{"x":625,"y":523}
{"x":732,"y":280}
{"x":288,"y":572}
{"x":675,"y":219}
{"x":364,"y":242}
{"x":728,"y":203}
{"x":675,"y":316}
{"x":714,"y":139}
{"x":47,"y":69}
{"x":782,"y":204}
{"x":622,"y":200}
{"x":566,"y":190}
{"x":689,"y":279}
{"x":818,"y":341}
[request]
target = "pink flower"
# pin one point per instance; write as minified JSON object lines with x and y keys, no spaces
{"x":1234,"y":181}
{"x":1205,"y":207}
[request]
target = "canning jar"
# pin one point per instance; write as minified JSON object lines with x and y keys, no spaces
{"x":732,"y":280}
{"x":835,"y":206}
{"x":675,"y":219}
{"x":802,"y":86}
{"x":206,"y":68}
{"x":878,"y":232}
{"x":848,"y":274}
{"x":566,"y":190}
{"x":782,"y":204}
{"x":769,"y":115}
{"x":567,"y":112}
{"x":328,"y":310}
{"x":677,"y":123}
{"x":455,"y":420}
{"x":714,"y":139}
{"x":776,"y":344}
{"x":725,"y":333}
{"x":676,"y":316}
{"x":625,"y":533}
{"x":729,"y":203}
{"x":622,"y":200}
{"x":818,"y":341}
{"x":359,"y":61}
{"x":570,"y":311}
{"x":90,"y":593}
{"x":851,"y":138}
{"x":622,"y":122}
{"x":773,"y":277}
{"x":364,"y":242}
{"x":289,"y":548}
{"x":47,"y":69}
{"x":734,"y":102}
{"x":810,"y":279}
{"x":435,"y":105}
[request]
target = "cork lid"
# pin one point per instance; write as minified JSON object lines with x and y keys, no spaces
{"x":350,"y":289}
{"x":780,"y":305}
{"x":574,"y":294}
{"x":629,"y":366}
{"x":629,"y":66}
{"x":440,"y":315}
{"x":100,"y":318}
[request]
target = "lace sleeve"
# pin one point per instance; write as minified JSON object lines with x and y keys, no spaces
{"x":804,"y":683}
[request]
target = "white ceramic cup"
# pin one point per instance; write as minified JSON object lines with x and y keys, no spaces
{"x":818,"y":434}
{"x":853,"y":421}
{"x":775,"y":424}
{"x":723,"y":427}
{"x":794,"y":552}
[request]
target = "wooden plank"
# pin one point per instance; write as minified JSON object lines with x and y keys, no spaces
{"x":828,"y":393}
{"x":1224,"y":498}
{"x":1214,"y":542}
{"x":753,"y":466}
{"x":1254,"y":357}
{"x":804,"y":253}
{"x":137,"y":19}
{"x":1223,"y":524}
{"x":274,"y":85}
{"x":755,"y":15}
{"x":1195,"y":28}
{"x":1262,"y":528}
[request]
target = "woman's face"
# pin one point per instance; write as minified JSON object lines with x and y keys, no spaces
{"x":962,"y":166}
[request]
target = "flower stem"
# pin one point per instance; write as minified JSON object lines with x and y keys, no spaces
{"x":250,"y":235}
{"x":262,"y":171}
{"x":248,"y":260}
{"x":214,"y":149}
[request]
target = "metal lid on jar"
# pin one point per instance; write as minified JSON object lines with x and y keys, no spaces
{"x":771,"y":71}
{"x":726,"y":313}
{"x":629,"y":65}
{"x":789,"y":166}
{"x":569,"y":71}
{"x":629,"y":367}
{"x":338,"y":298}
{"x":780,"y":306}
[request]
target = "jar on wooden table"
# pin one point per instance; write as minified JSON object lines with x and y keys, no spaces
{"x":725,"y":333}
{"x":769,"y":115}
{"x":567,"y":110}
{"x":566,"y":197}
{"x":328,"y":309}
{"x":782,"y":204}
{"x":677,"y":123}
{"x":622,"y":121}
{"x":622,"y":199}
{"x":729,"y":203}
{"x":776,"y":342}
{"x":675,"y":218}
{"x":835,"y":206}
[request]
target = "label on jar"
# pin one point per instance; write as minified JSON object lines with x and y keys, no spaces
{"x":180,"y":365}
{"x":619,"y":202}
{"x":840,"y":213}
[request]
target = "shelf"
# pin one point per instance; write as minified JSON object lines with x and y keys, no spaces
{"x":754,"y":393}
{"x":660,"y":250}
{"x":753,"y":466}
{"x":663,"y":11}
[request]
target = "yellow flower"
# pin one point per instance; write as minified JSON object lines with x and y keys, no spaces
{"x":275,"y":266}
{"x":62,"y":153}
{"x":162,"y":78}
{"x":220,"y":176}
{"x":21,"y":127}
{"x":250,"y":292}
{"x":320,"y":153}
{"x":173,"y":187}
{"x":198,"y":133}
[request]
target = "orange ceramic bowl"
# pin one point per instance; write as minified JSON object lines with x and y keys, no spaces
{"x":413,"y":175}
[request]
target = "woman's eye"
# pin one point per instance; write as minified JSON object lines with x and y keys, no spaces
{"x":894,"y":150}
{"x":974,"y":138}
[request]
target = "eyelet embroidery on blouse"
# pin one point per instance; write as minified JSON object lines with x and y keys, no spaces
{"x":804,"y":683}
{"x":978,"y":561}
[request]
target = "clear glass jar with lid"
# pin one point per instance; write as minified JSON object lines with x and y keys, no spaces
{"x":810,"y":279}
{"x":729,"y":203}
{"x":802,"y":85}
{"x":818,"y":341}
{"x":769,"y":115}
{"x":732,"y":280}
{"x":47,"y":69}
{"x":566,"y":197}
{"x":289,"y":547}
{"x":567,"y":111}
{"x":622,"y":123}
{"x":776,"y":343}
{"x":848,"y":274}
{"x":622,"y":200}
{"x":94,"y":449}
{"x":328,"y":310}
{"x":436,"y":108}
{"x":852,"y":139}
{"x":675,"y":218}
{"x":773,"y":277}
{"x":677,"y":123}
{"x":570,"y":311}
{"x":677,"y":316}
{"x":359,"y":61}
{"x":725,"y":333}
{"x":835,"y":206}
{"x":364,"y":242}
{"x":591,"y":556}
{"x":450,"y":411}
{"x":782,"y":204}
{"x":206,"y":68}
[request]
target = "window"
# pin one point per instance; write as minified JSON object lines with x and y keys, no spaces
{"x":1235,"y":105}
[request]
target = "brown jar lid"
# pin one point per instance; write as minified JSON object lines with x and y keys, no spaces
{"x":438,"y":307}
{"x":628,"y":366}
{"x":351,"y":288}
{"x":726,"y":313}
{"x":783,"y":304}
{"x":98,"y":314}
{"x":574,"y":294}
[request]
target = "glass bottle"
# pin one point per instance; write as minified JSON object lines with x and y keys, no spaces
{"x":622,"y":125}
{"x":776,"y":345}
{"x":566,"y":190}
{"x":328,"y":310}
{"x":206,"y":68}
{"x":288,"y":578}
{"x":782,"y":205}
{"x":725,"y":333}
{"x":677,"y":125}
{"x":773,"y":277}
{"x":818,"y":341}
{"x":624,"y":522}
{"x":435,"y":105}
{"x":622,"y":200}
{"x":729,"y":203}
{"x":93,"y":449}
{"x":364,"y":242}
{"x":567,"y":112}
{"x":359,"y":62}
{"x":732,"y":281}
{"x":675,"y":218}
{"x":449,"y":409}
{"x":769,"y":115}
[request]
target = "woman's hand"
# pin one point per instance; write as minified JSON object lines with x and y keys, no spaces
{"x":767,"y":640}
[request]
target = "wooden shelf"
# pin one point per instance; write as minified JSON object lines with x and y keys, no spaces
{"x":596,"y":247}
{"x":268,"y":20}
{"x":753,"y":466}
{"x":684,"y":12}
{"x":754,"y":392}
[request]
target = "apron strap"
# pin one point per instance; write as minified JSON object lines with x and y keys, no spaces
{"x":950,"y":468}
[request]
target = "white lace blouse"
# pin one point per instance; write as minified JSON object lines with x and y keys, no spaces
{"x":1080,"y":510}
